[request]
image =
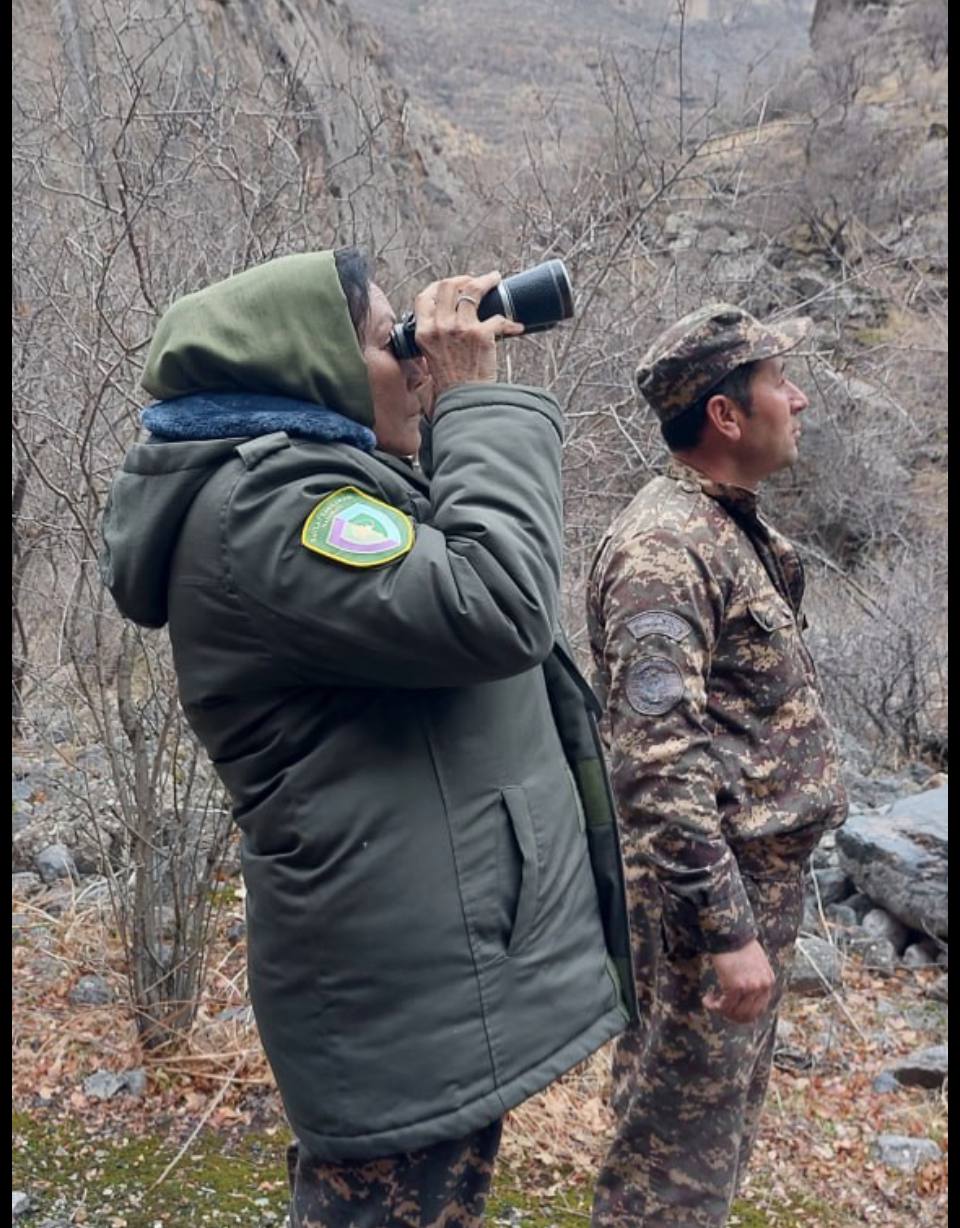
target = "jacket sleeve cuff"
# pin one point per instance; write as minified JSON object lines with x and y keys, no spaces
{"x":720,"y":920}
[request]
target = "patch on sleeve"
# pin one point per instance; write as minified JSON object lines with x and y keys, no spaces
{"x":353,"y":528}
{"x":654,"y":686}
{"x":658,"y":622}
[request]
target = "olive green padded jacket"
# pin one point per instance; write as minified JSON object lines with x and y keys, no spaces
{"x":435,"y":905}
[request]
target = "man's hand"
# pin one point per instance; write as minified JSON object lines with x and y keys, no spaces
{"x":746,"y":983}
{"x":459,"y":348}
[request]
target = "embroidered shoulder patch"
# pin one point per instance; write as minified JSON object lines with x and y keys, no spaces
{"x":654,"y":686}
{"x":658,"y":622}
{"x":353,"y":528}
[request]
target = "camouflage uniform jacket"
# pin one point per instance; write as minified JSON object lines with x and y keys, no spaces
{"x":721,"y":751}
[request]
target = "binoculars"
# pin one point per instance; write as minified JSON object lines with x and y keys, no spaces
{"x":539,"y":298}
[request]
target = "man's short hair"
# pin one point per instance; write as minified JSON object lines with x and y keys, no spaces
{"x":685,"y":431}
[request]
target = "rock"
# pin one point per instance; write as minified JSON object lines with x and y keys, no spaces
{"x":237,"y":932}
{"x":899,"y":859}
{"x":136,"y":1082}
{"x":811,"y":923}
{"x":25,"y":882}
{"x":918,"y":955}
{"x":879,"y":924}
{"x":243,"y":1014}
{"x":833,"y":885}
{"x":20,"y":767}
{"x":878,"y":954}
{"x":55,"y":861}
{"x":91,"y":990}
{"x":824,"y":858}
{"x":885,"y":1082}
{"x":21,"y":1203}
{"x":811,"y":955}
{"x":22,"y":790}
{"x":925,"y":1068}
{"x":938,"y":990}
{"x":103,"y":1085}
{"x":738,"y":241}
{"x":906,"y":1154}
{"x":21,"y":817}
{"x":860,"y":904}
{"x":842,"y":915}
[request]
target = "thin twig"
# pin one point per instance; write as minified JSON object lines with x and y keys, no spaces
{"x":833,"y":993}
{"x":228,"y":1082}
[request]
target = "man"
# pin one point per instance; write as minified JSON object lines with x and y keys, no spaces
{"x":370,"y":654}
{"x":723,"y":764}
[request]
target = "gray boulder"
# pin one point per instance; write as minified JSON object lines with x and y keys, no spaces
{"x":841,"y":915}
{"x":25,"y":882}
{"x":91,"y":990}
{"x":21,"y":1203}
{"x":918,"y":955}
{"x":136,"y":1082}
{"x":103,"y":1085}
{"x":899,"y":859}
{"x":860,"y":903}
{"x":832,"y":884}
{"x":925,"y":1068}
{"x":878,"y":954}
{"x":902,"y":1152}
{"x":813,"y":957}
{"x":938,"y":990}
{"x":880,"y":924}
{"x":55,"y":861}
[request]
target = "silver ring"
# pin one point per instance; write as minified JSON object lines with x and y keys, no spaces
{"x":464,"y":298}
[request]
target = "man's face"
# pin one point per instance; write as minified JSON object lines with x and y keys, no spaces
{"x":769,"y":436}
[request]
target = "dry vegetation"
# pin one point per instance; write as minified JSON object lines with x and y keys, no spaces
{"x":812,"y":1160}
{"x":136,"y":180}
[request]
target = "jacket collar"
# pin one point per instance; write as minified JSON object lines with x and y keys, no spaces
{"x":736,"y":498}
{"x":225,"y":415}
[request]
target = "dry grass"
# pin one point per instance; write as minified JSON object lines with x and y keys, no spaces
{"x":821,"y":1115}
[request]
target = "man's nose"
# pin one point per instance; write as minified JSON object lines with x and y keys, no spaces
{"x":798,"y":399}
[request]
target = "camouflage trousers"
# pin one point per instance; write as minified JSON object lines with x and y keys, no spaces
{"x":688,"y":1085}
{"x":443,"y":1186}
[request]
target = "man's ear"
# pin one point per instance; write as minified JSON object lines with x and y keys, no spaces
{"x":723,"y":415}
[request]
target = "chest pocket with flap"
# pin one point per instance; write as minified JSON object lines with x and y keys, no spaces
{"x":770,"y":613}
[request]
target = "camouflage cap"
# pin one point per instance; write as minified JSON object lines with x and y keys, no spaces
{"x":697,"y":352}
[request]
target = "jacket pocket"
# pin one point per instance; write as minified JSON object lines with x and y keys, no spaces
{"x":770,"y":615}
{"x":528,"y":897}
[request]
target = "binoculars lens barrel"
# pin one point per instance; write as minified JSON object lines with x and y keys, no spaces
{"x":539,"y":298}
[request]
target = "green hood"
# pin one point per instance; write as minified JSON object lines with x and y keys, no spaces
{"x":282,"y":328}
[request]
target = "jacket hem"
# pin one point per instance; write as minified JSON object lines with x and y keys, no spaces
{"x":470,"y":1117}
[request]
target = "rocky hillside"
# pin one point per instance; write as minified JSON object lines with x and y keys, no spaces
{"x":367,"y":150}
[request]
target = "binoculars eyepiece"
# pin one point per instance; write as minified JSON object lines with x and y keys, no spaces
{"x":539,"y":298}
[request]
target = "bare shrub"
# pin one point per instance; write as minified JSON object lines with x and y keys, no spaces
{"x":142,"y":172}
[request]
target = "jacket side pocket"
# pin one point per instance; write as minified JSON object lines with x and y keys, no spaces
{"x":515,"y":801}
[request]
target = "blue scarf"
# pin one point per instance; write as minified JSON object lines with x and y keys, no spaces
{"x":223,"y":415}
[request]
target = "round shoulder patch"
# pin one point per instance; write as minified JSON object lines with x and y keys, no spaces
{"x":356,"y":529}
{"x":654,"y":685}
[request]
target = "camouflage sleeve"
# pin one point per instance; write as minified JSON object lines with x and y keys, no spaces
{"x":659,"y":612}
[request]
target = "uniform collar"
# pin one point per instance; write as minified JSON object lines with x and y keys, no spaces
{"x":736,"y":498}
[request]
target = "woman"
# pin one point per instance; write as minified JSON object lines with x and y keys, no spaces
{"x":368,"y":651}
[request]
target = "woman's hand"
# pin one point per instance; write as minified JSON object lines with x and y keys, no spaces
{"x":459,"y":348}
